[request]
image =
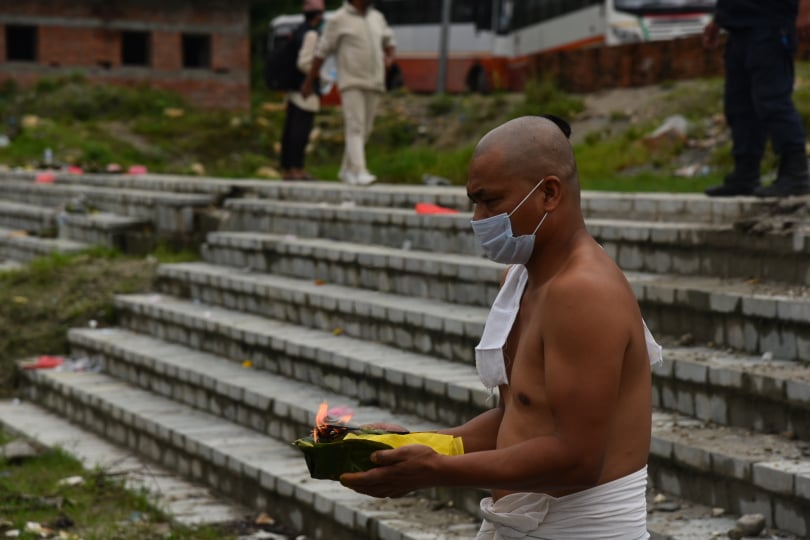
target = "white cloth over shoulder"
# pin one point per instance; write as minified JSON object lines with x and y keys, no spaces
{"x":489,"y":351}
{"x":615,"y":510}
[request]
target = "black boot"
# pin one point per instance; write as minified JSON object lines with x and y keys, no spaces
{"x":743,"y":180}
{"x":793,"y":178}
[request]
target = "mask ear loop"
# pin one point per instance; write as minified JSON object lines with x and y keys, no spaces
{"x":541,"y":223}
{"x":527,"y":196}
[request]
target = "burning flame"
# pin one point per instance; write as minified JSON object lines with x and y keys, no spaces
{"x":327,"y":419}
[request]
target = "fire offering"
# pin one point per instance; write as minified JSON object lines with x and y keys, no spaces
{"x":335,"y":447}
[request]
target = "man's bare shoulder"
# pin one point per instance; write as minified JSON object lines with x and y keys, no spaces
{"x":590,"y":275}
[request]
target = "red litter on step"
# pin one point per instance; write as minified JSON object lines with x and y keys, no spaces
{"x":137,"y":169}
{"x":73,"y":169}
{"x":45,"y":362}
{"x":430,"y":208}
{"x":45,"y":178}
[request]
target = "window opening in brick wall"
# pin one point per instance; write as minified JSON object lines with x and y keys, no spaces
{"x":21,"y":43}
{"x":196,"y":51}
{"x":136,"y":48}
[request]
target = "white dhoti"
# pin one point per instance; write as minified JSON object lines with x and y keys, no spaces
{"x":616,"y":510}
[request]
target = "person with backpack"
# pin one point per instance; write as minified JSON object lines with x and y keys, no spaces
{"x":363,"y":45}
{"x":300,"y":113}
{"x":760,"y":76}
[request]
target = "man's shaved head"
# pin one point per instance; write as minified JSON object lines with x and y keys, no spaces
{"x":529,"y":148}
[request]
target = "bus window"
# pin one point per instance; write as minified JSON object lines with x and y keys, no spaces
{"x":651,"y":20}
{"x":505,"y":16}
{"x":643,"y":7}
{"x":482,"y":14}
{"x":402,"y":12}
{"x":462,"y":12}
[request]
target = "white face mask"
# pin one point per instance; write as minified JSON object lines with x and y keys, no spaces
{"x":496,"y":238}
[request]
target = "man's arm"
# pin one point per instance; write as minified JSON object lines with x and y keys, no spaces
{"x":327,"y":42}
{"x":389,"y":56}
{"x":480,"y":433}
{"x":584,"y":345}
{"x":307,"y":52}
{"x":314,"y":70}
{"x":389,"y":43}
{"x":803,"y":20}
{"x":711,"y":36}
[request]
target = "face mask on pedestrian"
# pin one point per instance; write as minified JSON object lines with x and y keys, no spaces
{"x":496,"y":238}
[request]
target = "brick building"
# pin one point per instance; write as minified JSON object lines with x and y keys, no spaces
{"x":200,"y":48}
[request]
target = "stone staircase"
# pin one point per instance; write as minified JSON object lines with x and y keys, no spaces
{"x":318,"y":291}
{"x":65,"y":216}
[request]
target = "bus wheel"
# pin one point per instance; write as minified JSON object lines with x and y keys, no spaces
{"x":477,"y":81}
{"x":393,"y":79}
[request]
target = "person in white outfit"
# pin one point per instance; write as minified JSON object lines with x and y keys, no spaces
{"x":564,"y":453}
{"x":363,"y":44}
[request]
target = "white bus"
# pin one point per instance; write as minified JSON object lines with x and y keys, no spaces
{"x":491,"y":41}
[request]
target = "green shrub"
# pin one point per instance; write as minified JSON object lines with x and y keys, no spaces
{"x":542,"y":96}
{"x":440,"y":105}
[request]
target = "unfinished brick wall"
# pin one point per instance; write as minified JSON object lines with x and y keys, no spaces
{"x":587,"y":70}
{"x":87,"y":35}
{"x":637,"y":64}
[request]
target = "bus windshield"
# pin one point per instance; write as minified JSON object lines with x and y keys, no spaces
{"x":648,"y":7}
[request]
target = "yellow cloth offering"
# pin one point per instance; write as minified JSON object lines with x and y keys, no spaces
{"x":441,"y":443}
{"x":352,"y":452}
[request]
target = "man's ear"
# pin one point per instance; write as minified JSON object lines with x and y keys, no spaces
{"x":552,"y":192}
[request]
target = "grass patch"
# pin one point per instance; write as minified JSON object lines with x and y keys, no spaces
{"x":98,"y":509}
{"x":542,"y":96}
{"x":41,"y":301}
{"x":92,"y":125}
{"x":412,"y":163}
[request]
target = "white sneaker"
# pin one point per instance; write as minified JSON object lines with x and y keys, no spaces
{"x":366,"y":178}
{"x":348,"y":177}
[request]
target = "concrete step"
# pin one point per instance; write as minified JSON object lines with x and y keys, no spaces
{"x":717,"y":250}
{"x":242,"y":463}
{"x":170,"y":213}
{"x":738,"y":470}
{"x":674,"y":518}
{"x":127,"y":234}
{"x":27,"y":217}
{"x":182,"y":501}
{"x":8,"y":265}
{"x":425,"y":274}
{"x":741,"y":471}
{"x":727,"y":389}
{"x":731,"y":389}
{"x":764,"y":318}
{"x":421,"y":325}
{"x":130,"y":235}
{"x":432,"y":388}
{"x":598,"y":204}
{"x":748,"y":317}
{"x":279,"y":406}
{"x":681,"y":247}
{"x":392,"y":227}
{"x":193,"y":504}
{"x":18,"y":246}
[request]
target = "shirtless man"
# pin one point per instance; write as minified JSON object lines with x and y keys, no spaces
{"x":567,"y":445}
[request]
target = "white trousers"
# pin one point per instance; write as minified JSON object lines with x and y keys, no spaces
{"x":616,"y":510}
{"x":359,"y":109}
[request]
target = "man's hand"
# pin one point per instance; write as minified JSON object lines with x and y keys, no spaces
{"x":399,"y":472}
{"x":803,"y":21}
{"x":306,"y":87}
{"x":388,"y":57}
{"x":711,"y":36}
